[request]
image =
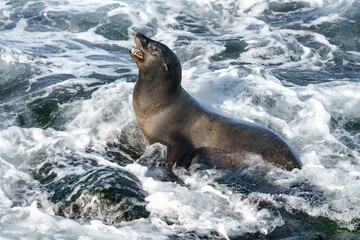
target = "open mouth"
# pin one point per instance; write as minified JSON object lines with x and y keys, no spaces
{"x":137,"y":54}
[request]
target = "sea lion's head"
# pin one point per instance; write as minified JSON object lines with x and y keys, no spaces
{"x":155,"y":58}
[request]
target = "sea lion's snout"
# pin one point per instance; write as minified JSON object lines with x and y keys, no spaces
{"x":141,"y":41}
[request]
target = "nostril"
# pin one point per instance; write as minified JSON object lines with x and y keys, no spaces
{"x":139,"y":34}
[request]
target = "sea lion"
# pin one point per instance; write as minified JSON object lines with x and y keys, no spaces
{"x":167,"y":114}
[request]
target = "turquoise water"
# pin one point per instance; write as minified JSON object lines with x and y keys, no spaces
{"x":74,"y":165}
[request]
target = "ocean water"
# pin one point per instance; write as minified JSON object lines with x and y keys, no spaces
{"x":74,"y":165}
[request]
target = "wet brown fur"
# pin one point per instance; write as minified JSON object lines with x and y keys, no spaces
{"x":166,"y":113}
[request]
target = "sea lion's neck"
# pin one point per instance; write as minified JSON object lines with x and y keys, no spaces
{"x":153,"y":93}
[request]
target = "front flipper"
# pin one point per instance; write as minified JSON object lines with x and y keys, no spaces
{"x":179,"y":151}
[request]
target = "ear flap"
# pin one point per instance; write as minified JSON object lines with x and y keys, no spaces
{"x":166,"y":67}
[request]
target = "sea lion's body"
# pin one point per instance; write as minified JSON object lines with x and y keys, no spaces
{"x":166,"y":113}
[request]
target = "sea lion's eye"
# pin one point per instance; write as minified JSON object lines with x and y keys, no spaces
{"x":153,"y":48}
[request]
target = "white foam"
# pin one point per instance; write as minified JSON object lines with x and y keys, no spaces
{"x":32,"y":223}
{"x":205,"y":209}
{"x":5,"y":202}
{"x":328,"y":19}
{"x":82,"y":6}
{"x":336,"y":96}
{"x":110,"y":109}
